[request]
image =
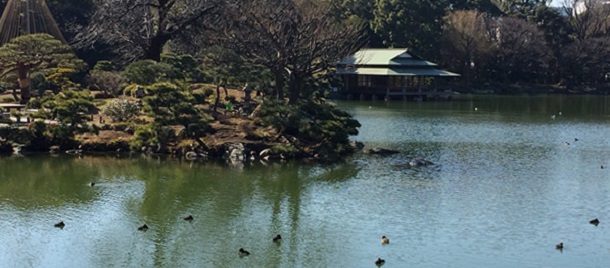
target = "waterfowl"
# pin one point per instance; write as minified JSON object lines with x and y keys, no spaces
{"x":575,"y":139}
{"x":594,"y":221}
{"x":567,"y":143}
{"x":385,"y":240}
{"x":277,"y":238}
{"x":379,"y":261}
{"x":243,"y":252}
{"x":60,"y":224}
{"x":143,"y":228}
{"x":188,"y":218}
{"x":92,"y":184}
{"x":559,"y":246}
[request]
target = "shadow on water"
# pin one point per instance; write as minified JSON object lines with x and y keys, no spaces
{"x":544,"y":105}
{"x":232,"y":206}
{"x":42,"y":181}
{"x":339,"y":172}
{"x":236,"y":204}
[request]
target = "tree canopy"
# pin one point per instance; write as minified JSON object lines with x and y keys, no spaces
{"x":139,"y":29}
{"x":295,"y":39}
{"x":36,"y":52}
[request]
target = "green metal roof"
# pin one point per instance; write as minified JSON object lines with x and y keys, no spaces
{"x":385,"y":57}
{"x":399,"y":71}
{"x":391,"y":61}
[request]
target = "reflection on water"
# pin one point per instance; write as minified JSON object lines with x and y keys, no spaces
{"x":505,"y":188}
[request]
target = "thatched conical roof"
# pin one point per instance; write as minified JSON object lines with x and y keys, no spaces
{"x":22,"y":17}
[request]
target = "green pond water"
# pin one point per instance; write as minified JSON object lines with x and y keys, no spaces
{"x":510,"y":181}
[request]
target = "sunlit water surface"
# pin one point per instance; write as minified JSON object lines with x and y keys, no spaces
{"x":505,"y":189}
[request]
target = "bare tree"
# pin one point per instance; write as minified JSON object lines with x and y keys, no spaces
{"x":468,"y":41}
{"x":523,"y":53}
{"x":141,"y":28}
{"x":588,"y":54}
{"x":295,"y":39}
{"x":588,"y":18}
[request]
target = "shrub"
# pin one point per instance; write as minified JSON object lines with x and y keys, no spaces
{"x":5,"y":120}
{"x":208,"y":92}
{"x":169,"y":104}
{"x":152,"y":135}
{"x":101,"y":95}
{"x":185,"y":65}
{"x":104,"y":65}
{"x":121,"y":110}
{"x":111,"y":83}
{"x":70,"y":107}
{"x":130,"y":90}
{"x":148,"y":72}
{"x":199,"y":98}
{"x":39,"y":140}
{"x":7,"y":100}
{"x":62,"y":135}
{"x":288,"y":150}
{"x":36,"y":103}
{"x":312,"y":121}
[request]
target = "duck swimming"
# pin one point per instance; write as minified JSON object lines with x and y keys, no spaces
{"x":379,"y":261}
{"x":188,"y":218}
{"x":277,"y":238}
{"x":559,"y":246}
{"x":385,"y":240}
{"x":60,"y":224}
{"x":594,"y":221}
{"x":143,"y":228}
{"x":243,"y":252}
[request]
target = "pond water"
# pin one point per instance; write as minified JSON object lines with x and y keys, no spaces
{"x":505,"y":189}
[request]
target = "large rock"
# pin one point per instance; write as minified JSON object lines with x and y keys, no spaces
{"x":265,"y":152}
{"x":235,"y":152}
{"x":356,"y":145}
{"x":381,"y":151}
{"x":269,"y":155}
{"x":420,"y":162}
{"x":191,"y":155}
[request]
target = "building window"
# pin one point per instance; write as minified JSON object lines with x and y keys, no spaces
{"x":413,"y":81}
{"x":397,"y":81}
{"x":364,"y":81}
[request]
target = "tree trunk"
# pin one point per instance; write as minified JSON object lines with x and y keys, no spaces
{"x":294,"y":89}
{"x":155,"y":47}
{"x":217,"y":100}
{"x":279,"y":85}
{"x":24,"y":83}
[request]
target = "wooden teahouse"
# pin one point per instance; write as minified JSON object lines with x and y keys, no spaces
{"x":391,"y":73}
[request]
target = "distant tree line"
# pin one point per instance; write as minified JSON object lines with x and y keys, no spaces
{"x":497,"y":41}
{"x":487,"y":41}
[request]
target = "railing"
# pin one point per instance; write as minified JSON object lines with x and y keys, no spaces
{"x":393,"y":91}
